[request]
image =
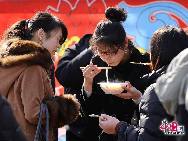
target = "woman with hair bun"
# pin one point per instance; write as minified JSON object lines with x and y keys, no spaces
{"x":167,"y":87}
{"x":112,"y":48}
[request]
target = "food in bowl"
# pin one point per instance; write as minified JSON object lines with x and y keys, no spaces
{"x":112,"y":87}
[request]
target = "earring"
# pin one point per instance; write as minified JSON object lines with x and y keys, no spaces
{"x":126,"y":50}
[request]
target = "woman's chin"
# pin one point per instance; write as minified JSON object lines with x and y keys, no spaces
{"x":112,"y":64}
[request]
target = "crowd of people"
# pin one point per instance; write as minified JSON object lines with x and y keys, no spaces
{"x":156,"y":87}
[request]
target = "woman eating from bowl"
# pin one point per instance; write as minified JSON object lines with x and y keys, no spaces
{"x":113,"y":49}
{"x":166,"y":43}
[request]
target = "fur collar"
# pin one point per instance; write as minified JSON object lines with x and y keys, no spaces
{"x":16,"y":51}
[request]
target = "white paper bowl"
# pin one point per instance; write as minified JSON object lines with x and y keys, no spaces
{"x":111,"y":87}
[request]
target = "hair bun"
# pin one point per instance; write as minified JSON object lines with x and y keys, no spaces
{"x":116,"y":14}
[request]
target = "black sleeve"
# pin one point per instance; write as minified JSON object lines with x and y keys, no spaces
{"x":141,"y":82}
{"x":9,"y":128}
{"x":92,"y":104}
{"x":126,"y":132}
{"x":151,"y":115}
{"x":181,"y":117}
{"x":68,"y":72}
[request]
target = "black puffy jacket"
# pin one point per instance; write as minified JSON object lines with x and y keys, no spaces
{"x":152,"y":114}
{"x":9,"y":128}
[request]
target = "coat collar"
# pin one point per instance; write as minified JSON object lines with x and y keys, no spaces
{"x":15,"y":51}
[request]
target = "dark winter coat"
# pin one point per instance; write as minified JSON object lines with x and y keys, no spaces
{"x":151,"y":115}
{"x":68,"y":71}
{"x":172,"y":91}
{"x":99,"y":102}
{"x":70,"y":76}
{"x":9,"y":128}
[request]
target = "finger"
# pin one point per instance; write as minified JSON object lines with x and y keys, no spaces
{"x":89,"y":71}
{"x":98,"y":71}
{"x":86,"y":69}
{"x":134,"y":92}
{"x":93,"y":73}
{"x":129,"y":85}
{"x":126,"y":85}
{"x":104,"y":115}
{"x":101,"y":119}
{"x":127,"y":94}
{"x":124,"y":96}
{"x":128,"y":89}
{"x":130,"y":95}
{"x":101,"y":124}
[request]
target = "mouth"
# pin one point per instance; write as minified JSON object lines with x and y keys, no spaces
{"x":110,"y":63}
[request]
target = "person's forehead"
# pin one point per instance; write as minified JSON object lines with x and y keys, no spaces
{"x":106,"y":47}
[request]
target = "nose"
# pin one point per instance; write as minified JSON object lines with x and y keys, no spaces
{"x":106,"y":57}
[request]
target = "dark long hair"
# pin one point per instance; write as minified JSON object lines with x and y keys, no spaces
{"x":166,"y":43}
{"x":24,"y":29}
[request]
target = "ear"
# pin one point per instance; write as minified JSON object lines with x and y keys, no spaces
{"x":41,"y":34}
{"x":126,"y":42}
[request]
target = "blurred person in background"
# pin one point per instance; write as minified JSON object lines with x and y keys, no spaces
{"x":9,"y":128}
{"x":68,"y":70}
{"x":172,"y":91}
{"x":70,"y":76}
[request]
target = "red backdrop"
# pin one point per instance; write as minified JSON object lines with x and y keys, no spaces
{"x":80,"y":16}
